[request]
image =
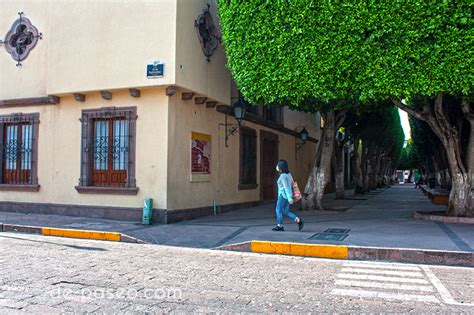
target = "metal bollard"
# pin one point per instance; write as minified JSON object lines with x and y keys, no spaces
{"x":147,"y":211}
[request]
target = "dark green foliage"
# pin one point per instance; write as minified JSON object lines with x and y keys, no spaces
{"x":339,"y":52}
{"x":407,"y":158}
{"x":382,"y":130}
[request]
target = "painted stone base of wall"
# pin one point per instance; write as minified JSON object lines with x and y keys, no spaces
{"x":97,"y":212}
{"x":117,"y":213}
{"x":171,"y":216}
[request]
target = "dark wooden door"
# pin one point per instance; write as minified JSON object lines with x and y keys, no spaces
{"x":269,"y":159}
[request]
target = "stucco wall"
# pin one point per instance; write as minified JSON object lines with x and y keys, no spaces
{"x":108,"y":45}
{"x":193,"y":71}
{"x":29,"y":80}
{"x":59,"y":145}
{"x":89,"y":45}
{"x":185,"y":117}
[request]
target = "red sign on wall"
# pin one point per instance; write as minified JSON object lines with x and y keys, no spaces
{"x":200,"y":157}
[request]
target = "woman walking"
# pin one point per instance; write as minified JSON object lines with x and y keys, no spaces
{"x":285,"y":197}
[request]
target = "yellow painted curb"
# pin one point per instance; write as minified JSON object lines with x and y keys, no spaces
{"x":298,"y":249}
{"x":93,"y":235}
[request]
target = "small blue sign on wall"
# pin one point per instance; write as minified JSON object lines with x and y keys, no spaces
{"x":155,"y":70}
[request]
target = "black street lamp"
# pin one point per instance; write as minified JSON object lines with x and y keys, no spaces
{"x":239,"y":110}
{"x":304,"y":134}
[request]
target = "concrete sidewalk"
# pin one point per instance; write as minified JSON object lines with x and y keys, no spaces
{"x":384,"y":219}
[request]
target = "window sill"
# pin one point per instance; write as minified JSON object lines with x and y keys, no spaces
{"x":247,"y":186}
{"x":107,"y":190}
{"x":10,"y":187}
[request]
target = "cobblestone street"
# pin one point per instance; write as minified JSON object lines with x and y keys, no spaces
{"x":50,"y":275}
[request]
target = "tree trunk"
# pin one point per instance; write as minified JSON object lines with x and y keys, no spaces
{"x":385,"y":166}
{"x":470,"y":153}
{"x":364,"y":168}
{"x":460,"y":195}
{"x":372,"y":173}
{"x":378,"y":171}
{"x":356,"y":166}
{"x":337,"y":166}
{"x":470,"y":164}
{"x":461,"y":173}
{"x":318,"y":179}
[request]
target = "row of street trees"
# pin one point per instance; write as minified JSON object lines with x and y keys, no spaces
{"x":425,"y":152}
{"x":354,"y":57}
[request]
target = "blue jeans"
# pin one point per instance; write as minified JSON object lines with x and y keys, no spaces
{"x":283,"y":207}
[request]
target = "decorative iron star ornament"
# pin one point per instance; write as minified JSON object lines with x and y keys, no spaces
{"x":21,"y":39}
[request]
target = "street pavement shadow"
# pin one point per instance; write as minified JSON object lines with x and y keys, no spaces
{"x":57,"y":244}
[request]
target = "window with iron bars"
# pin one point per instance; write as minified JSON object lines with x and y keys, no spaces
{"x":108,"y":148}
{"x":19,"y":139}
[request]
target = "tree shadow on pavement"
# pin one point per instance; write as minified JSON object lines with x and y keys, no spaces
{"x":58,"y":244}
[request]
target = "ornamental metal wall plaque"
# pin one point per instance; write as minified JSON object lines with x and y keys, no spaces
{"x":21,"y":39}
{"x":207,"y":32}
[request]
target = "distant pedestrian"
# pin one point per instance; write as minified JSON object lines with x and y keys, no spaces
{"x":285,"y":197}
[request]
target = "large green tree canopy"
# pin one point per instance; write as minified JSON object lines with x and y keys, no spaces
{"x":329,"y":55}
{"x":297,"y":50}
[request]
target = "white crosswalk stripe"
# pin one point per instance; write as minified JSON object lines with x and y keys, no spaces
{"x":381,"y":285}
{"x":385,"y":295}
{"x":382,"y":278}
{"x":385,"y":272}
{"x":386,"y":281}
{"x":380,"y":266}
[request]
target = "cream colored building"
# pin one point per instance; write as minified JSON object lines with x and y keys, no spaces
{"x":86,"y":130}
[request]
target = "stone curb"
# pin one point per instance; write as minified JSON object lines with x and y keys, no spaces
{"x":404,"y":255}
{"x":439,"y":218}
{"x":70,"y":233}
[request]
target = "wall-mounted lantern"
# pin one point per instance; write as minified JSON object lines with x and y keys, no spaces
{"x":239,"y":109}
{"x":303,"y":137}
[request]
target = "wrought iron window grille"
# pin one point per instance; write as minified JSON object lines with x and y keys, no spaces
{"x":18,"y":143}
{"x":108,"y":148}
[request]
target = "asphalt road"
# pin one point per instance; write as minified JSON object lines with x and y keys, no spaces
{"x":41,"y":274}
